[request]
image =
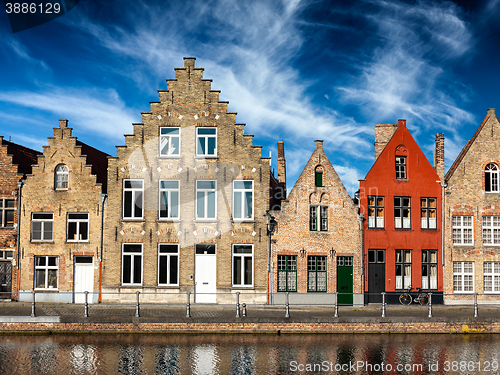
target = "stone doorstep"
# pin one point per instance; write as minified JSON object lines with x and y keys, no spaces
{"x":29,"y":319}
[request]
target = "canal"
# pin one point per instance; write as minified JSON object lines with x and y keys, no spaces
{"x":250,"y":354}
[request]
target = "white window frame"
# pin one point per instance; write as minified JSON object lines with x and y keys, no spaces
{"x":491,"y":230}
{"x":374,"y":221}
{"x":426,"y":219}
{"x":403,"y":281}
{"x":46,"y":268}
{"x":44,"y":222}
{"x":460,"y":226}
{"x":242,"y":193}
{"x":491,"y":270}
{"x":204,"y":138}
{"x":81,"y":235}
{"x":400,"y":167}
{"x":167,"y":138}
{"x":132,"y":255}
{"x":463,"y":272}
{"x":134,"y":191}
{"x":402,"y":222}
{"x":168,"y":191}
{"x":206,"y":192}
{"x":61,"y":177}
{"x":4,"y":210}
{"x":491,"y":174}
{"x":242,"y":256}
{"x":430,"y":282}
{"x":169,"y":255}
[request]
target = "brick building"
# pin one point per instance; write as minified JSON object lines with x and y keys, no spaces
{"x":472,"y":217}
{"x":60,"y":231}
{"x":317,"y":242}
{"x":187,"y":195}
{"x":15,"y":164}
{"x":400,"y":199}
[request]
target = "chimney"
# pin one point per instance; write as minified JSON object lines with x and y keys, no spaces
{"x":383,"y":134}
{"x":318,"y":145}
{"x":439,"y":156}
{"x":281,"y":165}
{"x":491,"y":111}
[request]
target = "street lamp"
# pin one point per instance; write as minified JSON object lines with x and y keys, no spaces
{"x":271,"y":226}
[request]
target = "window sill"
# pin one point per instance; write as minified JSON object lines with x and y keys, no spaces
{"x":170,"y":156}
{"x":205,"y":220}
{"x":492,"y":192}
{"x":371,"y":228}
{"x":160,"y":286}
{"x":463,"y":245}
{"x":46,"y":290}
{"x":246,"y":287}
{"x":490,"y":245}
{"x":168,"y":220}
{"x":402,"y":179}
{"x":138,"y":220}
{"x":82,"y":241}
{"x":238,"y":221}
{"x":48,"y":241}
{"x":429,"y":229}
{"x":206,"y":157}
{"x":404,"y":229}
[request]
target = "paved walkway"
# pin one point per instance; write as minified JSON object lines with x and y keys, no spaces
{"x":208,"y":313}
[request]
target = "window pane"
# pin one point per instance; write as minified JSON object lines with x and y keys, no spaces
{"x":211,"y":204}
{"x":164,"y":204}
{"x":138,"y":204}
{"x":84,"y":230}
{"x":40,"y":279}
{"x":248,"y":205}
{"x":52,"y":278}
{"x":169,"y":131}
{"x":200,"y":148}
{"x":237,"y":270}
{"x":211,"y":146}
{"x":137,"y":269}
{"x":47,"y":230}
{"x":237,"y":205}
{"x":127,"y":204}
{"x":169,"y":184}
{"x":173,"y":269}
{"x":127,"y":268}
{"x":72,"y":231}
{"x":205,"y":184}
{"x":206,"y":131}
{"x":162,"y":270}
{"x":174,"y":208}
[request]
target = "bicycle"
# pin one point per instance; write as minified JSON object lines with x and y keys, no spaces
{"x":406,"y":298}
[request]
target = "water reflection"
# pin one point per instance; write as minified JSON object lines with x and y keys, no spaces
{"x":249,"y":354}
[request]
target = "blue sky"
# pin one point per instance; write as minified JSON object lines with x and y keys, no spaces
{"x":293,"y":70}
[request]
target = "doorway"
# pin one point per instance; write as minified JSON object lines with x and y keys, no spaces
{"x":83,"y":278}
{"x":205,"y":274}
{"x":376,"y":275}
{"x":5,"y":280}
{"x":344,"y":281}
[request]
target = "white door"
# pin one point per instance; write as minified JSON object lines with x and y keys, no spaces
{"x":84,"y":278}
{"x":205,"y":274}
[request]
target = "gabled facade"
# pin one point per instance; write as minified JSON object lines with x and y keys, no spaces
{"x":15,"y":164}
{"x":400,"y":199}
{"x":61,"y":215}
{"x":317,"y":246}
{"x":472,"y":220}
{"x":187,"y":196}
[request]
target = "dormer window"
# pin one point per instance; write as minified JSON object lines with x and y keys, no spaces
{"x":61,"y":177}
{"x":491,"y":178}
{"x":401,"y":167}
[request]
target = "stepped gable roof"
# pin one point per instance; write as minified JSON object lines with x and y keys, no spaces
{"x":23,"y":157}
{"x":99,"y":162}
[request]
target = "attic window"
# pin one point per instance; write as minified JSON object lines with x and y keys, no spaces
{"x":318,"y":177}
{"x":491,"y":178}
{"x":401,"y":167}
{"x":61,"y":177}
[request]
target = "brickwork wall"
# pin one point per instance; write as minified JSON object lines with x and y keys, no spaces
{"x":39,"y":195}
{"x":383,"y":134}
{"x":294,"y":234}
{"x":465,"y":195}
{"x":189,"y":103}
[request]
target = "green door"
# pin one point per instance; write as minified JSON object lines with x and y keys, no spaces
{"x":344,"y":281}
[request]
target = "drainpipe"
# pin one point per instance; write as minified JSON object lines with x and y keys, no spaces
{"x":103,"y":200}
{"x":444,"y":185}
{"x":20,"y":184}
{"x":362,"y":236}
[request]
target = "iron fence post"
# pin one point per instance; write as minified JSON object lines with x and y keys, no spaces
{"x":237,"y":304}
{"x":430,"y":305}
{"x":188,"y":305}
{"x":33,"y":309}
{"x":475,"y":305}
{"x":336,"y":314}
{"x":287,"y":306}
{"x":244,"y":312}
{"x":86,"y":310}
{"x":137,"y":311}
{"x":383,"y":305}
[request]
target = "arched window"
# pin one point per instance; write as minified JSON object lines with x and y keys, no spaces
{"x":318,"y":176}
{"x":491,"y":178}
{"x":61,"y":177}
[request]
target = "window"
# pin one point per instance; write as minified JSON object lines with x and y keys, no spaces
{"x":242,"y":265}
{"x":491,"y":178}
{"x":61,"y":177}
{"x":46,"y":270}
{"x":287,"y":273}
{"x":206,"y":199}
{"x":132,"y":264}
{"x":169,"y":199}
{"x":463,"y":276}
{"x":318,"y":177}
{"x":376,"y":256}
{"x":168,"y":264}
{"x":6,"y":255}
{"x":429,"y":269}
{"x":401,"y":167}
{"x":428,"y":213}
{"x":375,"y":212}
{"x":403,"y":269}
{"x":402,"y":218}
{"x":462,"y":230}
{"x":491,"y":276}
{"x":242,"y":200}
{"x":41,"y":226}
{"x":78,"y":227}
{"x":133,"y":199}
{"x":491,"y":230}
{"x":316,"y":273}
{"x":313,"y":218}
{"x":170,"y":141}
{"x":7,"y":207}
{"x":206,"y":141}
